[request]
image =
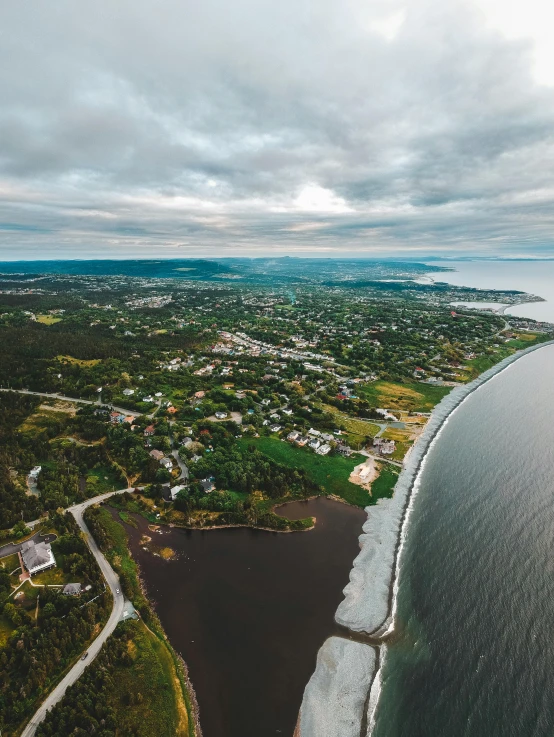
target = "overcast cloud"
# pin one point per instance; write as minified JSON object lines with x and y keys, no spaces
{"x":256,"y":127}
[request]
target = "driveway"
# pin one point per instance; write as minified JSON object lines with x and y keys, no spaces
{"x":11,"y":548}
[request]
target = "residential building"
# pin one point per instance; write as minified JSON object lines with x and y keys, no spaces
{"x":72,"y":589}
{"x":37,"y":556}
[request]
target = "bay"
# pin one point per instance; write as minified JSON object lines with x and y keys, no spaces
{"x":533,"y":277}
{"x":474,"y":644}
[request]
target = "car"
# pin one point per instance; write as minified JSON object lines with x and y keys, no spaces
{"x":84,"y":656}
{"x":117,"y":591}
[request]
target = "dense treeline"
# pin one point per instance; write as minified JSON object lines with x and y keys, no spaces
{"x":86,"y":707}
{"x":15,"y":451}
{"x":47,"y":639}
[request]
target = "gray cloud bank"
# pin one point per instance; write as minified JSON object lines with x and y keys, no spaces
{"x":334,"y":127}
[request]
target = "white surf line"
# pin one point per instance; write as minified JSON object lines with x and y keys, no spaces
{"x":480,"y":381}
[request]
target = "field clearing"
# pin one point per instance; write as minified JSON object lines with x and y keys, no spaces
{"x":330,"y":472}
{"x":401,"y":436}
{"x":6,"y":629}
{"x":413,"y":396}
{"x":101,"y":480}
{"x":48,"y":319}
{"x":162,"y":710}
{"x":79,"y":361}
{"x":42,"y":419}
{"x":353,"y":424}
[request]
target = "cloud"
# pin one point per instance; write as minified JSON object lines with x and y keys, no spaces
{"x":352,"y":126}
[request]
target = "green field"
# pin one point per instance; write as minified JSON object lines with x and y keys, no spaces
{"x":411,"y":396}
{"x":103,"y":479}
{"x":330,"y":472}
{"x":48,"y":319}
{"x":151,"y":673}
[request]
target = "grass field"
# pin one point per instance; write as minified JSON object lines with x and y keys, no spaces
{"x":6,"y":629}
{"x":101,"y":480}
{"x":356,"y":428}
{"x":160,"y":710}
{"x":330,"y":472}
{"x":383,"y":486}
{"x":79,"y":361}
{"x":413,"y":396}
{"x":48,"y":319}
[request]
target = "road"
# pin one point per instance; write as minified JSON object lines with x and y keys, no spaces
{"x":121,"y":610}
{"x":63,"y":398}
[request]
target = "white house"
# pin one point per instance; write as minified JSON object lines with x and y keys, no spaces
{"x":175,"y":490}
{"x":37,"y":556}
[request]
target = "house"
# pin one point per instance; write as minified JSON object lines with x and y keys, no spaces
{"x":167,"y":463}
{"x":240,"y":395}
{"x":274,"y":416}
{"x":157,"y":455}
{"x":323,"y":449}
{"x":37,"y":556}
{"x":172,"y":410}
{"x":327,"y":437}
{"x":293,"y":435}
{"x":275,"y":428}
{"x":221,"y":415}
{"x":207,"y":485}
{"x":199,"y":395}
{"x":287,"y":411}
{"x":34,"y":472}
{"x":148,"y":399}
{"x":384,"y":446}
{"x":344,"y":450}
{"x":314,"y":443}
{"x":116,"y":418}
{"x":128,"y":392}
{"x":313,"y":432}
{"x":148,"y":431}
{"x":301,"y":441}
{"x":129,"y":419}
{"x":72,"y":589}
{"x":175,"y":490}
{"x":186,"y":442}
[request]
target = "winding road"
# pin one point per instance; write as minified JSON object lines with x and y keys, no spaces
{"x":122,"y":609}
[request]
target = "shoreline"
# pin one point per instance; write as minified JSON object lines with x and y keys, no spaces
{"x":371,"y":595}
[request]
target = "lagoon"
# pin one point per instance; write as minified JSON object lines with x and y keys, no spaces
{"x":248,"y":610}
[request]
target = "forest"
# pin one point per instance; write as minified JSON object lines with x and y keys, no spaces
{"x":49,"y":632}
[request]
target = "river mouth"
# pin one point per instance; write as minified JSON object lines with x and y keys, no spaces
{"x":249,"y":609}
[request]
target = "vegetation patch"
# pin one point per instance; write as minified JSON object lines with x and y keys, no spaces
{"x":48,"y":319}
{"x":331,"y":473}
{"x":413,"y":397}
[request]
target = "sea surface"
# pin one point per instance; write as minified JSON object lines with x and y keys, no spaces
{"x":249,"y":609}
{"x":473,"y":652}
{"x":533,"y":277}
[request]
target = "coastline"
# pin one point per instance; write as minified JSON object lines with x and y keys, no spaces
{"x":370,"y":602}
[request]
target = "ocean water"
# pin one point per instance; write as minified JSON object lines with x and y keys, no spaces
{"x":473,"y":650}
{"x":533,"y":277}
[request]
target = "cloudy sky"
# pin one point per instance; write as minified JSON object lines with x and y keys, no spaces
{"x":254,"y":127}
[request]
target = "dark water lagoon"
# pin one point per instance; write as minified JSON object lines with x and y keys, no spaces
{"x":248,"y":610}
{"x":474,"y":646}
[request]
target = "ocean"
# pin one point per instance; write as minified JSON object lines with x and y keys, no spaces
{"x":472,"y":651}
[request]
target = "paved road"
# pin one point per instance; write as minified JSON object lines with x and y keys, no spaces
{"x":73,"y":399}
{"x":121,"y":610}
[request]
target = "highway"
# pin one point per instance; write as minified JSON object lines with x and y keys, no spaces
{"x":121,"y":610}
